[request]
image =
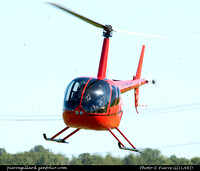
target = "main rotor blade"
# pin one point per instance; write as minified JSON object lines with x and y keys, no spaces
{"x":141,"y":34}
{"x":94,"y":23}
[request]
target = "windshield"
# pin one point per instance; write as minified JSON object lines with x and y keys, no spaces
{"x":96,"y":96}
{"x":74,"y":92}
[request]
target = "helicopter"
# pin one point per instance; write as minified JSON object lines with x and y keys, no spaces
{"x":95,"y":103}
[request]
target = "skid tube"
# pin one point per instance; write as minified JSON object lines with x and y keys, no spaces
{"x":120,"y":144}
{"x":60,"y":140}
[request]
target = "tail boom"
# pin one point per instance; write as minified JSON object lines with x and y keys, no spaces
{"x":128,"y":85}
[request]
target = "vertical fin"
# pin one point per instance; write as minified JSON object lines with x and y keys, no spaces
{"x":138,"y":75}
{"x":139,"y":69}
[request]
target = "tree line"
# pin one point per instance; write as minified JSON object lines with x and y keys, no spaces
{"x":41,"y":156}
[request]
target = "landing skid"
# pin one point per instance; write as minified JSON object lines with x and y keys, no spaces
{"x":56,"y":140}
{"x":129,"y":149}
{"x":60,"y":140}
{"x":120,"y":144}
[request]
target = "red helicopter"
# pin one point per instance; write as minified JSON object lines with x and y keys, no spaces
{"x":95,"y":103}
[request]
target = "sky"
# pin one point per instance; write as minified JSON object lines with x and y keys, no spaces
{"x":43,"y":49}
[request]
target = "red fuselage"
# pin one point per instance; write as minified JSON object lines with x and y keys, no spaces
{"x":95,"y":104}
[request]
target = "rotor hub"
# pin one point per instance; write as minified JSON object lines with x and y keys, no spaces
{"x":107,"y":32}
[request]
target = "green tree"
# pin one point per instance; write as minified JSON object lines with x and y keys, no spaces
{"x":75,"y":161}
{"x":22,"y":158}
{"x":87,"y":159}
{"x":179,"y":161}
{"x":7,"y":159}
{"x":130,"y":159}
{"x":99,"y":160}
{"x":195,"y":161}
{"x":2,"y":151}
{"x":174,"y":160}
{"x":184,"y":161}
{"x":152,"y":156}
{"x":39,"y":148}
{"x":110,"y":160}
{"x":41,"y":156}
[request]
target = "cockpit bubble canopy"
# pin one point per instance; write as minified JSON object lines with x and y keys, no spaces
{"x":73,"y":93}
{"x":95,"y":96}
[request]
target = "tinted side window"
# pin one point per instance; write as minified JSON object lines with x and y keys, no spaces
{"x":115,"y":96}
{"x":118,"y":96}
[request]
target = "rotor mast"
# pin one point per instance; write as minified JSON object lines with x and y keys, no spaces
{"x":104,"y":53}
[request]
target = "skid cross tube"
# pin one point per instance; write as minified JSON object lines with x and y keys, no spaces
{"x":60,"y":132}
{"x":120,"y":144}
{"x":125,"y":138}
{"x":115,"y":137}
{"x":60,"y":140}
{"x":71,"y":134}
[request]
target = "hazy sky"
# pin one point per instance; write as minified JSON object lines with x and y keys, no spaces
{"x":42,"y":49}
